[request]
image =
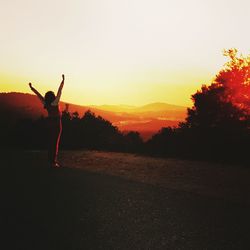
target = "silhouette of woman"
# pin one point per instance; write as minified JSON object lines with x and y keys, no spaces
{"x":51,"y":104}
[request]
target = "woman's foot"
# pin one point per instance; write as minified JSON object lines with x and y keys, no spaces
{"x":55,"y":165}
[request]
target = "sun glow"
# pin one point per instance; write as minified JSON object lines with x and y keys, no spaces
{"x":114,"y":51}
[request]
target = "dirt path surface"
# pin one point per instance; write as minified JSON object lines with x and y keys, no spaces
{"x":212,"y":179}
{"x":120,"y":207}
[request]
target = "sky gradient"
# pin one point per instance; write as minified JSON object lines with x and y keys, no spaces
{"x":119,"y":52}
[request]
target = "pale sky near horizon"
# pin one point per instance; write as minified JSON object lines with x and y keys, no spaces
{"x":113,"y":51}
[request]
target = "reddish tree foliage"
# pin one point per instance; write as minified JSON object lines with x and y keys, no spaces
{"x":235,"y":77}
{"x":226,"y":102}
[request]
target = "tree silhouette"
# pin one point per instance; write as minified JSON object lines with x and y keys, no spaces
{"x":226,"y":102}
{"x":217,"y":126}
{"x":133,"y":142}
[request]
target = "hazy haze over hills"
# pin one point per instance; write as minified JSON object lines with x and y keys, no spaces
{"x":147,"y":119}
{"x":157,"y":106}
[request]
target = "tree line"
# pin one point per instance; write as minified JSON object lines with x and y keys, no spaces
{"x":86,"y":132}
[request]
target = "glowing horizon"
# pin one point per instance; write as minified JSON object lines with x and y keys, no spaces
{"x":119,"y":52}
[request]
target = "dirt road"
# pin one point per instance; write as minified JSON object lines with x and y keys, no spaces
{"x":75,"y":208}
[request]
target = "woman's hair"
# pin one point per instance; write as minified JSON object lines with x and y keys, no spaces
{"x":49,"y":98}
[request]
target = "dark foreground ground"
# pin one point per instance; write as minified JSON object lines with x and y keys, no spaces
{"x":72,"y":208}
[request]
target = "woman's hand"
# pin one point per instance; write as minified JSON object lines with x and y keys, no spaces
{"x":37,"y":93}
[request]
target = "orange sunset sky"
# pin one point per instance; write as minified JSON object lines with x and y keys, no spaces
{"x":119,"y":51}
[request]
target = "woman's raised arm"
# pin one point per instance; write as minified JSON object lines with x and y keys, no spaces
{"x":37,"y":93}
{"x":59,"y":92}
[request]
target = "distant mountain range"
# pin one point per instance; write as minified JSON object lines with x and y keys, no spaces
{"x":157,"y":106}
{"x":147,"y":119}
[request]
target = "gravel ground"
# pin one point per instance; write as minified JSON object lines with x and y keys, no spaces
{"x":210,"y":179}
{"x":86,"y":206}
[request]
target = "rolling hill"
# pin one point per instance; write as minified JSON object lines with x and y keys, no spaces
{"x":147,"y":119}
